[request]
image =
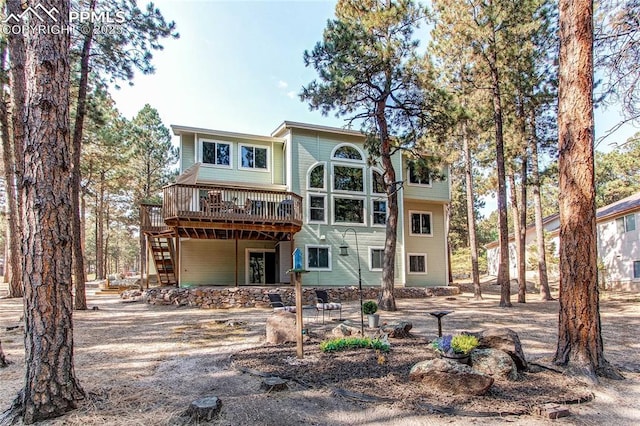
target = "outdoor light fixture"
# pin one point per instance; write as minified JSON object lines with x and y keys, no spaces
{"x":344,"y":251}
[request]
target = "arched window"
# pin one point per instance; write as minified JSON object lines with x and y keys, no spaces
{"x":316,"y":177}
{"x":347,"y":152}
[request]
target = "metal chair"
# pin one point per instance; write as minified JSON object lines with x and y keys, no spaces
{"x":323,"y":304}
{"x":278,"y":305}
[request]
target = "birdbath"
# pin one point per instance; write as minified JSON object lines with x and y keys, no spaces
{"x":439,"y":315}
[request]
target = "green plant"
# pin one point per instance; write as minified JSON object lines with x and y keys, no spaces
{"x":369,"y":307}
{"x":457,"y":344}
{"x":343,"y":343}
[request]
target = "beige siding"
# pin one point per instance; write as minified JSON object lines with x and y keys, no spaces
{"x":438,"y":191}
{"x":433,"y":246}
{"x":213,"y":262}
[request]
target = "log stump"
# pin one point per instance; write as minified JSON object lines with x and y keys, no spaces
{"x":204,"y":409}
{"x":274,"y":384}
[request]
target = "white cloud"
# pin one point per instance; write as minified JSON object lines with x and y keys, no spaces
{"x":292,"y":94}
{"x":282,"y":84}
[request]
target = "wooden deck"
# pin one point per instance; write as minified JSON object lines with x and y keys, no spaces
{"x":220,"y":212}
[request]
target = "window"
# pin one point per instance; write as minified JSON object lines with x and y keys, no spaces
{"x":379,"y":212}
{"x":348,"y":210}
{"x":317,"y":208}
{"x":420,"y":223}
{"x":377,"y":183}
{"x":349,"y":179}
{"x":419,"y":175}
{"x":316,"y":177}
{"x":347,"y":152}
{"x":626,"y":223}
{"x":376,"y":256}
{"x":636,"y":269}
{"x":417,"y":263}
{"x":253,"y":157}
{"x":318,"y":258}
{"x":218,"y":153}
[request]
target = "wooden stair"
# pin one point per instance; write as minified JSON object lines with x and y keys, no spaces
{"x":164,"y":259}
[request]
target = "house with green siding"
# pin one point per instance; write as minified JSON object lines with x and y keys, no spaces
{"x":243,"y":203}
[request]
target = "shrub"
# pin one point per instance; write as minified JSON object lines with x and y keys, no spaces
{"x":343,"y":343}
{"x":369,"y":307}
{"x":458,"y":344}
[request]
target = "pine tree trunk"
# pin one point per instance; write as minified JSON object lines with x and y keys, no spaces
{"x":515,"y":212}
{"x":503,"y":230}
{"x":580,"y":345}
{"x":471,"y":215}
{"x":100,"y":230}
{"x":51,"y":388}
{"x":386,"y":299}
{"x":522,"y":234}
{"x":543,"y":279}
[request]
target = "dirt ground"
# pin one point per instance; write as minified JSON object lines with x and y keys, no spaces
{"x":143,"y":364}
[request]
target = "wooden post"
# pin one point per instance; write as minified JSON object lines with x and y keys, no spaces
{"x":297,"y":276}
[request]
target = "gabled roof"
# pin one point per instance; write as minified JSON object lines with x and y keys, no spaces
{"x":314,"y":127}
{"x":619,"y":208}
{"x":178,"y":130}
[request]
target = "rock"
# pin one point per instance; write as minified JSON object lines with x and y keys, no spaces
{"x":442,"y":291}
{"x":3,"y":360}
{"x":281,"y":328}
{"x":346,"y":329}
{"x":204,"y":409}
{"x":274,"y":384}
{"x":505,"y":340}
{"x":398,"y":330}
{"x":451,"y":377}
{"x":495,"y":363}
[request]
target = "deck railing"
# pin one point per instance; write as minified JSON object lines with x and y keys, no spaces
{"x":151,"y":218}
{"x":215,"y":202}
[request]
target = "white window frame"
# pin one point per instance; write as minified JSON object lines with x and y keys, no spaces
{"x":426,"y":268}
{"x":318,"y":246}
{"x":423,"y":185}
{"x":347,"y":197}
{"x":350,"y":160}
{"x":371,"y":249}
{"x":326,"y":209}
{"x":352,"y":166}
{"x":373,"y":212}
{"x":324,"y":176}
{"x":253,"y":169}
{"x":411,"y":213}
{"x":201,"y":141}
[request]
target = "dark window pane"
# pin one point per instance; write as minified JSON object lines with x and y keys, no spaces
{"x":376,"y":258}
{"x":636,"y":269}
{"x":317,"y":209}
{"x":208,"y":153}
{"x":323,"y":257}
{"x":260,"y":158}
{"x":223,"y":154}
{"x":316,"y":177}
{"x":347,"y":152}
{"x":416,"y":264}
{"x":348,"y":210}
{"x":348,"y":179}
{"x":379,"y":212}
{"x":426,"y":224}
{"x":415,"y":223}
{"x":378,"y":183}
{"x":630,"y":222}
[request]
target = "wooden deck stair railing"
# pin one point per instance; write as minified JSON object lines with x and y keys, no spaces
{"x":164,"y":259}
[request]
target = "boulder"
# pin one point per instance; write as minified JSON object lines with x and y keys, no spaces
{"x":398,"y":330}
{"x":346,"y":329}
{"x":495,"y":363}
{"x":281,"y":328}
{"x":451,"y":377}
{"x":505,"y":340}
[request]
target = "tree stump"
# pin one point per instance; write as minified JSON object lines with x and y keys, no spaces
{"x":398,"y":330}
{"x":204,"y":409}
{"x":274,"y":384}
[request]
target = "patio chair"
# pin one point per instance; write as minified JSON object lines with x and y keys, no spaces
{"x":323,"y":304}
{"x":278,"y":305}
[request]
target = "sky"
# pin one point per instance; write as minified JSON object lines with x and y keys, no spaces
{"x":238,"y":66}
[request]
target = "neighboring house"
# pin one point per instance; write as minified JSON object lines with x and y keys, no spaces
{"x":618,"y":230}
{"x":243,"y":203}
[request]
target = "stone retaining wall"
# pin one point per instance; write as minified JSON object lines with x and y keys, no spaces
{"x":256,"y":297}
